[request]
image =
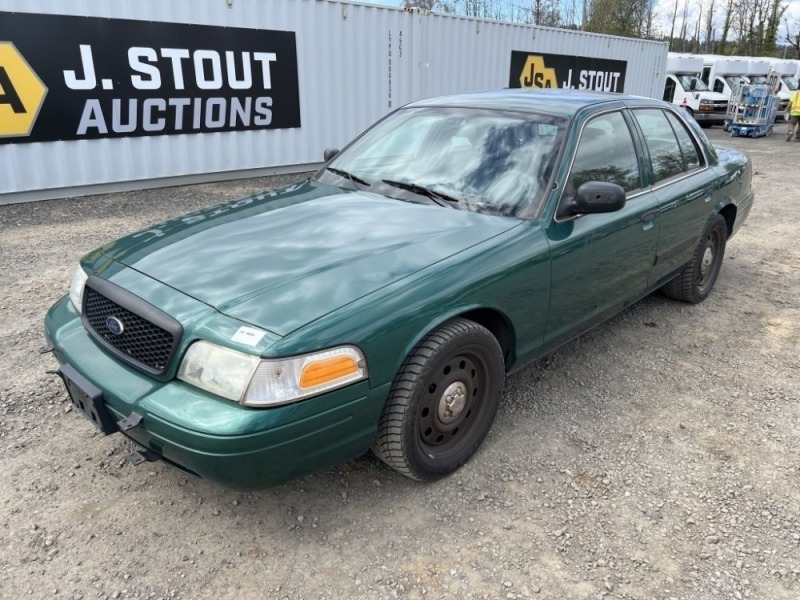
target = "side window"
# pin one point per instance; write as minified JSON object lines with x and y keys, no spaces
{"x":692,"y":159}
{"x":665,"y":155}
{"x":605,"y":153}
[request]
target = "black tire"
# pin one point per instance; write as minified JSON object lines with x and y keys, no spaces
{"x":420,"y":434}
{"x":696,"y":280}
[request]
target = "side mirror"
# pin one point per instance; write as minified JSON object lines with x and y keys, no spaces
{"x":693,"y":84}
{"x":595,"y":197}
{"x":329,"y":153}
{"x":599,"y":197}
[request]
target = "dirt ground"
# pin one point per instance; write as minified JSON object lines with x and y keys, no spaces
{"x":655,"y":457}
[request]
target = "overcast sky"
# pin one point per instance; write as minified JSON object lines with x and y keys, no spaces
{"x":664,"y":10}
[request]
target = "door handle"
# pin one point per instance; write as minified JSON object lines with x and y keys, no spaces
{"x":651,"y":216}
{"x":704,"y":193}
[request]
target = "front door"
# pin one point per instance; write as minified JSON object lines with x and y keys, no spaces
{"x":600,"y":262}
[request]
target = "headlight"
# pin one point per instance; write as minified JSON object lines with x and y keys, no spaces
{"x":706,"y":101}
{"x":219,"y":370}
{"x":280,"y":381}
{"x":253,"y":381}
{"x":76,"y":288}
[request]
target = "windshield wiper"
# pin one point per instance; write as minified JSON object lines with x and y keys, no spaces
{"x":440,"y":198}
{"x":350,"y":176}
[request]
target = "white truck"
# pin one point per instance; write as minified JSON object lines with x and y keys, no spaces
{"x":723,"y":73}
{"x":685,"y":88}
{"x":758,"y":77}
{"x":787,"y":79}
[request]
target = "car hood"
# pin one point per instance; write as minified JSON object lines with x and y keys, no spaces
{"x":713,"y":96}
{"x":280,"y":260}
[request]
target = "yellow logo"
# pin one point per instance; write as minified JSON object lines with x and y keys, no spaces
{"x":21,"y":93}
{"x":535,"y":74}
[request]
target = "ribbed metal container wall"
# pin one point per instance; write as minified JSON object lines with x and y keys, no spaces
{"x":356,"y":63}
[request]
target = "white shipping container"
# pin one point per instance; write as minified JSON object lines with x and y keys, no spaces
{"x":355,"y":63}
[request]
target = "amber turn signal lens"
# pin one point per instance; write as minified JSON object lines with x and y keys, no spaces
{"x":327,"y":370}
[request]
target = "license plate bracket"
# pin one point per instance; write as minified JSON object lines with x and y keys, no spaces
{"x":88,"y":399}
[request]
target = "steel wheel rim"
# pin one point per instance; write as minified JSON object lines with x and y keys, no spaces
{"x":441,"y":433}
{"x":709,"y":261}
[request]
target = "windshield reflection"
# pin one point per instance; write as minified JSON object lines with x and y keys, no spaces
{"x":485,"y":161}
{"x":692,"y":83}
{"x":734,"y":79}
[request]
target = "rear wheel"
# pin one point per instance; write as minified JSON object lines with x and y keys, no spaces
{"x":442,"y":402}
{"x":697,"y":279}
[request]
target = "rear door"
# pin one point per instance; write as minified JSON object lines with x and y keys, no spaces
{"x":683,"y":183}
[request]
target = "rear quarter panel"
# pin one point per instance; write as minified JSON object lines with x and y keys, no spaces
{"x":736,"y":178}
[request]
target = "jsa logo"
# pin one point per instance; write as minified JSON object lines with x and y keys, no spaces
{"x":535,"y":74}
{"x":21,"y":93}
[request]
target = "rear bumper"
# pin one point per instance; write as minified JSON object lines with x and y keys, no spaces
{"x":214,"y":438}
{"x":742,"y":211}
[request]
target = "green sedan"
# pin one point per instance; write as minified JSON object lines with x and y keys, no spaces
{"x":381,"y":303}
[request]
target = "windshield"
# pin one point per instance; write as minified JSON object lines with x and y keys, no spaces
{"x":686,"y":83}
{"x":734,"y":79}
{"x":790,"y":82}
{"x":481,"y":160}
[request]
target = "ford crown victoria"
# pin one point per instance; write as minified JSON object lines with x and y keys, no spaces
{"x":381,"y":303}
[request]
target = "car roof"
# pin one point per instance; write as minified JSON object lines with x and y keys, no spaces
{"x":555,"y":102}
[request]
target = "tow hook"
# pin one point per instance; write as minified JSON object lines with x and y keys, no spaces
{"x":129,"y":422}
{"x":140,"y":456}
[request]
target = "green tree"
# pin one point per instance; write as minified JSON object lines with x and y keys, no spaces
{"x":423,"y":4}
{"x":776,"y":12}
{"x":726,"y":27}
{"x":629,"y":18}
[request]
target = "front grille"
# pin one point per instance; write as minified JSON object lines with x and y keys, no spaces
{"x":142,"y":343}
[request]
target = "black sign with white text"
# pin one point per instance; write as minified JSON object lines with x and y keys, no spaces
{"x":537,"y":70}
{"x":100,"y":78}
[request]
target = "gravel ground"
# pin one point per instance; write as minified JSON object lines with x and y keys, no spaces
{"x":654,"y":457}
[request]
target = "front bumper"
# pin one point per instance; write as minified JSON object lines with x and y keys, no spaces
{"x":711,"y":117}
{"x":215,"y":438}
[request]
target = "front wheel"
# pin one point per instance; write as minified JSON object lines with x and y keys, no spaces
{"x":697,"y":279}
{"x":442,"y":402}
